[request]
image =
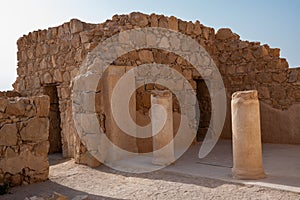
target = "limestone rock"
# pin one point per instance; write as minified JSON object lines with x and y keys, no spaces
{"x":43,"y":105}
{"x":146,"y":56}
{"x":42,"y":148}
{"x":47,"y":78}
{"x":76,"y":26}
{"x":8,"y":135}
{"x":260,"y":52}
{"x":138,"y":19}
{"x":15,"y":108}
{"x":3,"y":104}
{"x":247,"y":147}
{"x":224,"y":34}
{"x":173,"y":23}
{"x":36,"y":129}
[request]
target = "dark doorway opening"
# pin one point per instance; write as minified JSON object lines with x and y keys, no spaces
{"x":204,"y":102}
{"x":54,"y":118}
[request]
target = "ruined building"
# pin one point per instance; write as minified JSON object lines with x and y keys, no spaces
{"x":48,"y":61}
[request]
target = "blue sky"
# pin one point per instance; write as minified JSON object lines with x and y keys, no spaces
{"x":275,"y":22}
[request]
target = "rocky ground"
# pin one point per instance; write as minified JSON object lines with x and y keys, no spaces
{"x":70,"y":179}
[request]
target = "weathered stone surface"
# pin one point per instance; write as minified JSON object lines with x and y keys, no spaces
{"x":36,"y":130}
{"x":246,"y":136}
{"x":146,"y":56}
{"x":138,"y":19}
{"x":224,"y":33}
{"x":3,"y":104}
{"x":47,"y":78}
{"x":163,"y":22}
{"x":16,"y":108}
{"x":76,"y":26}
{"x":173,"y":23}
{"x":162,"y":135}
{"x":280,"y":78}
{"x":293,"y":76}
{"x":8,"y":135}
{"x":42,"y":148}
{"x":43,"y":105}
{"x":260,"y":52}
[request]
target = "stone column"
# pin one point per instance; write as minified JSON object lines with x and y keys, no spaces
{"x":246,"y":138}
{"x":113,"y":132}
{"x":162,"y":127}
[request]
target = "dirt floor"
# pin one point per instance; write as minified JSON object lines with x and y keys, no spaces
{"x":71,"y":179}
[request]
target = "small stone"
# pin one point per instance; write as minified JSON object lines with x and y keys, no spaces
{"x":146,"y":56}
{"x":47,"y":78}
{"x":293,"y":76}
{"x":164,"y":43}
{"x":163,"y":22}
{"x":173,"y":23}
{"x":279,"y":77}
{"x":153,"y":20}
{"x":57,"y":77}
{"x":275,"y":52}
{"x":189,"y":28}
{"x":76,"y":26}
{"x":138,"y":19}
{"x":260,"y":52}
{"x":81,"y":197}
{"x":197,"y":28}
{"x":224,"y":34}
{"x":58,"y":196}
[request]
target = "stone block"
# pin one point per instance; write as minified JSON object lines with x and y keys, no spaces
{"x":3,"y":104}
{"x":8,"y":135}
{"x":224,"y":34}
{"x":76,"y":26}
{"x":260,"y":52}
{"x":36,"y":130}
{"x":146,"y":56}
{"x":173,"y":23}
{"x":138,"y":19}
{"x":42,"y":104}
{"x":16,"y":108}
{"x":279,"y":77}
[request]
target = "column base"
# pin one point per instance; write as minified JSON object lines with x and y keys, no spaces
{"x":248,"y":174}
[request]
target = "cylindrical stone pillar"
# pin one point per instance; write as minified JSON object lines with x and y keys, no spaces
{"x":246,"y":138}
{"x":162,"y":127}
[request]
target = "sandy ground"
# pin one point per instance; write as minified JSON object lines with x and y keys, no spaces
{"x":71,"y":179}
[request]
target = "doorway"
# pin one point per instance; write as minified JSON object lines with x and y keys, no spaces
{"x":54,"y":119}
{"x":204,"y":102}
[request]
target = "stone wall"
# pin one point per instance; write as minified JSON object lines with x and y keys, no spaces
{"x":53,"y":56}
{"x":24,"y":145}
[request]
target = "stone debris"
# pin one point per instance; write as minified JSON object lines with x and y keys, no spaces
{"x":58,"y":196}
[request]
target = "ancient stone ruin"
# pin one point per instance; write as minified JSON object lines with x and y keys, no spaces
{"x":49,"y":60}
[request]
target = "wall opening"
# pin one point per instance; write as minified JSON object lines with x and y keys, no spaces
{"x":54,"y":119}
{"x":204,"y":102}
